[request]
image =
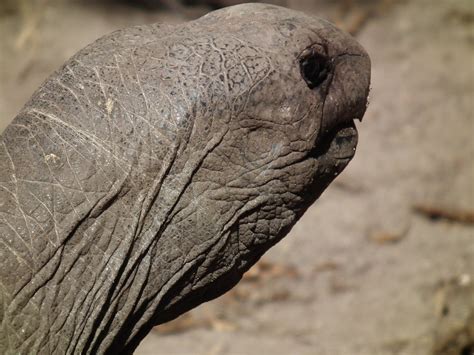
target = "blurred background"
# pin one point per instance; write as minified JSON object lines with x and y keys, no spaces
{"x":383,"y":263}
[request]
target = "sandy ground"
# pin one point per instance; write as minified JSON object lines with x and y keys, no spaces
{"x":383,"y":263}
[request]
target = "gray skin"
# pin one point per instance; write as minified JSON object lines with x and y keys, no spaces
{"x":159,"y":163}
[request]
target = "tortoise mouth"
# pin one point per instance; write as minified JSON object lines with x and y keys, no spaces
{"x":344,"y":142}
{"x":338,"y":144}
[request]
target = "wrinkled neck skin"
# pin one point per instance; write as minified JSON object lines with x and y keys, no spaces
{"x":136,"y":184}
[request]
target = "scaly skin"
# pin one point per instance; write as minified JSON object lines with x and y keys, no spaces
{"x":159,"y":163}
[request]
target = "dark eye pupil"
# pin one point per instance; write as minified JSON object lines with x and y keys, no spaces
{"x":314,"y":69}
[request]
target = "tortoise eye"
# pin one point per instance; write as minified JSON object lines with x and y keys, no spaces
{"x":314,"y":68}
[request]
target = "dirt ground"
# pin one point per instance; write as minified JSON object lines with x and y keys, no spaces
{"x":383,"y":263}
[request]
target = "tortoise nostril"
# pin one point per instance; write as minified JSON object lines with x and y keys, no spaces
{"x":314,"y":68}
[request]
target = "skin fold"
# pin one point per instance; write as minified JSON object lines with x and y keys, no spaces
{"x":154,"y":168}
